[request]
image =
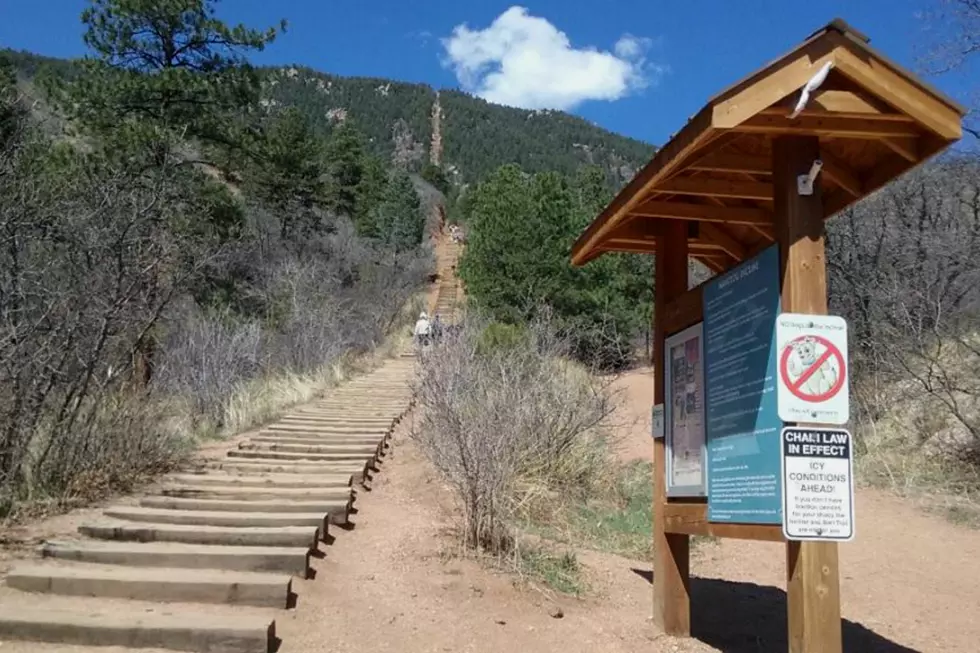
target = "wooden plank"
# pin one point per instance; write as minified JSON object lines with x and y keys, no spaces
{"x":683,"y":311}
{"x":716,"y":188}
{"x":703,"y":212}
{"x":882,"y":175}
{"x":728,"y":162}
{"x":841,"y":103}
{"x":907,"y":148}
{"x":671,"y":552}
{"x":813,"y":578}
{"x":714,"y":263}
{"x":649,"y":246}
{"x":727,"y":242}
{"x":858,"y":128}
{"x":837,"y":172}
{"x":693,"y":135}
{"x":765,"y":231}
{"x":692,"y":519}
{"x":855,"y":103}
{"x":779,"y":79}
{"x":628,"y":247}
{"x":898,"y":90}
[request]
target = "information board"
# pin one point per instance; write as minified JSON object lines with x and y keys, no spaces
{"x":684,"y":412}
{"x":818,"y":484}
{"x":657,"y":422}
{"x":742,"y":423}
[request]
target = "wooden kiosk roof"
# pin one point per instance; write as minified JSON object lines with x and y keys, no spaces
{"x":874,"y":120}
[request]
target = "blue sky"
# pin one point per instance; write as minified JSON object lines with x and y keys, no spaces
{"x":639,"y":67}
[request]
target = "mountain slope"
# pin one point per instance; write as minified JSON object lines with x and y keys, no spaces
{"x":476,"y":136}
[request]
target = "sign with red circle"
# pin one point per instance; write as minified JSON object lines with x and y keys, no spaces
{"x":830,"y":357}
{"x":811,"y":370}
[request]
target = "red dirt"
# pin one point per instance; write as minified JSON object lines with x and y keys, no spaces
{"x":909,"y":581}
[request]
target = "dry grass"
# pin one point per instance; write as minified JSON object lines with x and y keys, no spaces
{"x":264,"y":399}
{"x":917,"y":437}
{"x":142,"y":435}
{"x":520,"y":434}
{"x":896,"y":453}
{"x":507,"y":422}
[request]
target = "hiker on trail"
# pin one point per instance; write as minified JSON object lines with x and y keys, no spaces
{"x":436,"y":329}
{"x":422,"y":330}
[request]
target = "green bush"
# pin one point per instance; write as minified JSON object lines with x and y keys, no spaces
{"x":498,"y":336}
{"x":520,"y":231}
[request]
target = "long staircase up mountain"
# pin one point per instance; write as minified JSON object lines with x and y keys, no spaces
{"x":203,"y":561}
{"x":449,"y":296}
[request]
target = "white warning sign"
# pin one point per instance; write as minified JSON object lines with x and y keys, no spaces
{"x":812,"y":384}
{"x":818,"y":484}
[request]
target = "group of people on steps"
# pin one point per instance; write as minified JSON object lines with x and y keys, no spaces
{"x":427,"y":331}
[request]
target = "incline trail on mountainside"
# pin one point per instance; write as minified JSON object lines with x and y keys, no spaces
{"x":909,"y":581}
{"x":210,"y":558}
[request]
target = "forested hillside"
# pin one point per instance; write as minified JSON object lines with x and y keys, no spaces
{"x":180,"y":258}
{"x":477,"y":137}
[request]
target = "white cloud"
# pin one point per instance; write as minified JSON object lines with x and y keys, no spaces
{"x":631,"y":47}
{"x":524,"y":61}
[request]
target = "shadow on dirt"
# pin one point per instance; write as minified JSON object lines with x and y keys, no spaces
{"x":737,"y":617}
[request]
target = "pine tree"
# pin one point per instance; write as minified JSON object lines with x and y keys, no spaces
{"x":370,"y":194}
{"x":398,"y":219}
{"x":164,"y":70}
{"x":521,"y":231}
{"x":289,"y":175}
{"x":346,"y":156}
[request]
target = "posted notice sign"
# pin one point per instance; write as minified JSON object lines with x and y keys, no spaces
{"x":818,"y":484}
{"x":657,"y":422}
{"x":812,"y":380}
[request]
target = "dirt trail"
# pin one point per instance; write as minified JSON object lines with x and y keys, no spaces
{"x":910,"y":581}
{"x":393,"y":580}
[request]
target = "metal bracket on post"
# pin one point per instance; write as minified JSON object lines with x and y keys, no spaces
{"x":804,"y":183}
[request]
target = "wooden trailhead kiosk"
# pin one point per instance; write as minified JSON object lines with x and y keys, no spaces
{"x":744,"y":188}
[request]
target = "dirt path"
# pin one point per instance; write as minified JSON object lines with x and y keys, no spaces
{"x":394,"y":582}
{"x":910,"y":581}
{"x":413,"y":594}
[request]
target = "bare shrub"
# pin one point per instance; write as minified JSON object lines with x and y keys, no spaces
{"x":141,"y":307}
{"x":505,"y":416}
{"x":306,"y":310}
{"x":89,"y":261}
{"x":207,"y":359}
{"x":905,"y":271}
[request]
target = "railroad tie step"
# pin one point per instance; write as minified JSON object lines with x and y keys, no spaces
{"x":339,"y":480}
{"x":337,"y":509}
{"x":293,"y":455}
{"x":302,"y":437}
{"x":188,"y":491}
{"x":231,"y":519}
{"x":153,"y":584}
{"x":336,"y":428}
{"x":225,"y":535}
{"x":340,"y":420}
{"x":374,"y":447}
{"x":357,"y":469}
{"x":291,"y":560}
{"x":325,"y":448}
{"x":133,"y":624}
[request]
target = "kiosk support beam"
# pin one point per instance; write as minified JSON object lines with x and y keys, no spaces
{"x":671,"y":551}
{"x":813,"y":580}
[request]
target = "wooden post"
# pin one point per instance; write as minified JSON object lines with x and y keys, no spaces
{"x":671,"y":552}
{"x":813,"y":580}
